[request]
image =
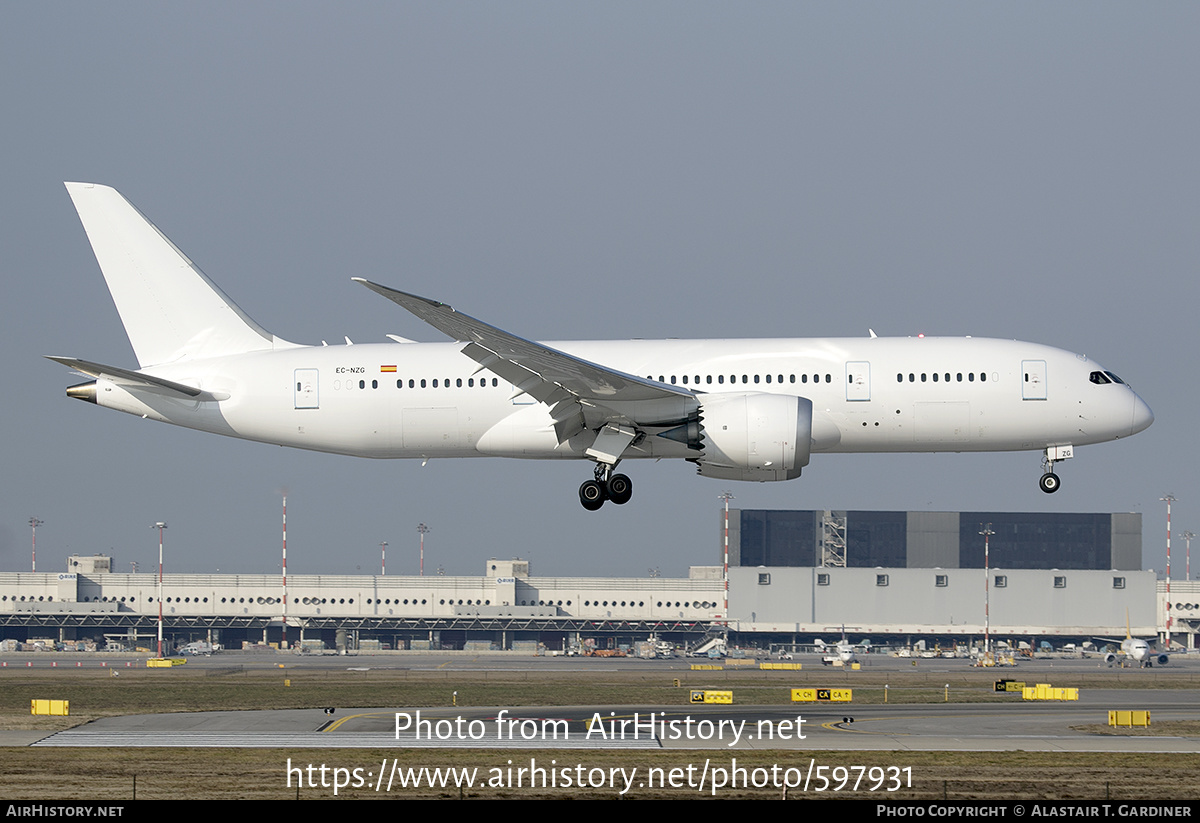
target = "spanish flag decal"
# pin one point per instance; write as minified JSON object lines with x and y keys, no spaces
{"x":387,"y":368}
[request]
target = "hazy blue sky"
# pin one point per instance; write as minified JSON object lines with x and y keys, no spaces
{"x":562,"y":170}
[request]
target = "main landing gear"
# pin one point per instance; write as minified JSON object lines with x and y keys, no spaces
{"x":607,"y":486}
{"x":1054,"y":454}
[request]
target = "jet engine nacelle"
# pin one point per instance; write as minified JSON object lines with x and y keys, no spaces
{"x":1162,"y":659}
{"x":754,"y":435}
{"x":1110,"y":658}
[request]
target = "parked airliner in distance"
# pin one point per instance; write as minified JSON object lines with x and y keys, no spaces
{"x":736,"y":409}
{"x":1133,"y":651}
{"x":843,"y":652}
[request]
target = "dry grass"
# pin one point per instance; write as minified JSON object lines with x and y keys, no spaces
{"x":92,"y":774}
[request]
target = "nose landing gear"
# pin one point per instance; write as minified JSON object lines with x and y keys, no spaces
{"x":607,"y":486}
{"x":1054,"y":454}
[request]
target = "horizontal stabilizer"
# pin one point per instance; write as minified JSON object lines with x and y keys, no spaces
{"x":126,"y":377}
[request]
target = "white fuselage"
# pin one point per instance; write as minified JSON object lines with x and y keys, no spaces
{"x":423,"y":400}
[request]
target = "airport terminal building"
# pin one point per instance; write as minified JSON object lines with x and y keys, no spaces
{"x":793,"y":575}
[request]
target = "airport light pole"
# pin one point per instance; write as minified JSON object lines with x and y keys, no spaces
{"x":422,"y":530}
{"x":33,"y":524}
{"x":383,"y":559}
{"x":987,"y":532}
{"x":283,"y":636}
{"x":1187,"y":539}
{"x":160,"y":526}
{"x":726,"y":496}
{"x":1168,"y":499}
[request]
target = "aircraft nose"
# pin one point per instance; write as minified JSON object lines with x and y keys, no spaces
{"x":1142,"y":416}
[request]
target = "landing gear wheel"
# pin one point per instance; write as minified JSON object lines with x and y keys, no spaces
{"x":1049,"y":483}
{"x":620,"y":489}
{"x":592,"y":495}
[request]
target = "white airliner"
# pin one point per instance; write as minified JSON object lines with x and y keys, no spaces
{"x":736,"y":409}
{"x":1134,"y":651}
{"x":843,"y":652}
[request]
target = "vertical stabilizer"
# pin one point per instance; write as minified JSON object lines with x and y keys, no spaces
{"x":170,"y":309}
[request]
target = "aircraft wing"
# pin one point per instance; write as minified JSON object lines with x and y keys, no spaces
{"x":127,"y":377}
{"x":580,"y":393}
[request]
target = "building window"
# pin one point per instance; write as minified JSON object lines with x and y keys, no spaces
{"x":1118,"y":582}
{"x":881,"y":580}
{"x":822,"y":579}
{"x":1060,"y":582}
{"x":764,"y":579}
{"x":1001,"y":581}
{"x":941,"y":580}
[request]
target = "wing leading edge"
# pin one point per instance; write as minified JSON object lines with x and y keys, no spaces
{"x":581,"y":394}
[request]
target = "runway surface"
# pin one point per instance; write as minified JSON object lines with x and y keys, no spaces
{"x":1018,"y":725}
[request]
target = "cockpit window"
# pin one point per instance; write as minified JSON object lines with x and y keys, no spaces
{"x":1114,"y":378}
{"x":1099,"y":378}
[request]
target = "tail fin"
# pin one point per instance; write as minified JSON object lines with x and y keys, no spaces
{"x":170,"y":309}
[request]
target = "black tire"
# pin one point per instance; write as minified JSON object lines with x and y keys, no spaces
{"x":591,"y":495}
{"x":620,"y":489}
{"x":1050,"y":483}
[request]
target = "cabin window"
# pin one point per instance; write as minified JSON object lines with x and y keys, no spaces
{"x":720,"y":378}
{"x":362,"y":384}
{"x":374,"y":384}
